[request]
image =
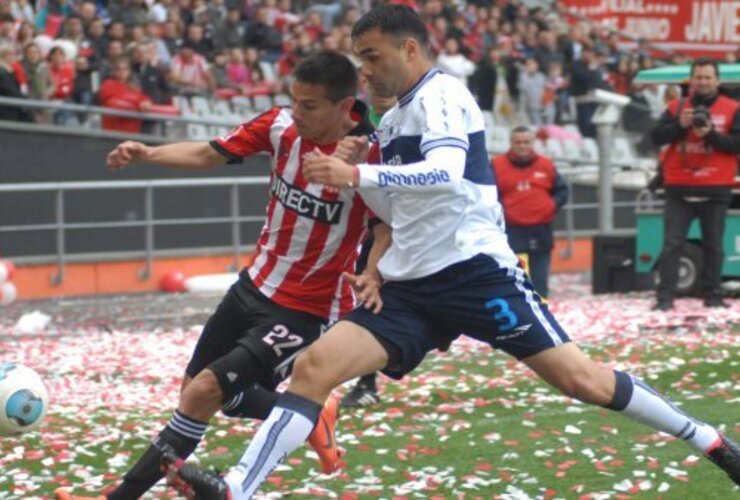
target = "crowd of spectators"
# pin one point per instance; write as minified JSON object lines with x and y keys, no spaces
{"x":523,"y":63}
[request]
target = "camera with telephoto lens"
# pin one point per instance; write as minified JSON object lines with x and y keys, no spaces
{"x":701,"y":118}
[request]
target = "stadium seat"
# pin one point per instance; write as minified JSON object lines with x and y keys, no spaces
{"x":201,"y":106}
{"x":262,"y":103}
{"x":181,"y":102}
{"x":554,"y":149}
{"x":622,"y":154}
{"x":221,"y":108}
{"x":282,"y":100}
{"x":497,"y":139}
{"x":571,"y":150}
{"x":268,"y":70}
{"x":589,"y":151}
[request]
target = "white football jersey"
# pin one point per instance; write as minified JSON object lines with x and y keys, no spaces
{"x":435,"y":186}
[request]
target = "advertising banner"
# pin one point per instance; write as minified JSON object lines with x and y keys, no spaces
{"x":692,"y":27}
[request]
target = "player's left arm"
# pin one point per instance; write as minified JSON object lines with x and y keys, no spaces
{"x":559,"y":191}
{"x":367,"y":285}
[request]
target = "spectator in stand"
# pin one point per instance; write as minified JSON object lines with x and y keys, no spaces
{"x":87,"y":12}
{"x":483,"y":82}
{"x":220,"y":74}
{"x":116,"y":31}
{"x":22,"y":10}
{"x":555,"y":100}
{"x":189,"y":73}
{"x":162,"y":56}
{"x":548,"y":52}
{"x":98,"y":43}
{"x":262,"y":35}
{"x":654,"y":94}
{"x":7,"y":30}
{"x":10,"y":86}
{"x":452,"y":62}
{"x":63,"y":75}
{"x":25,"y":34}
{"x":586,"y":76}
{"x":113,"y":52}
{"x":122,"y":92}
{"x":152,"y":79}
{"x":171,"y":37}
{"x":194,"y":37}
{"x":158,"y":11}
{"x":38,"y":78}
{"x":532,"y":84}
{"x":230,"y":32}
{"x":128,"y":12}
{"x":83,"y":92}
{"x":74,"y":31}
{"x":531,"y":191}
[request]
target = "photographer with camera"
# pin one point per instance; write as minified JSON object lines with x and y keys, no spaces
{"x":702,"y":134}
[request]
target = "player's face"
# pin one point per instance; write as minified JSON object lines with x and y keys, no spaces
{"x":384,"y":63}
{"x":317,"y":117}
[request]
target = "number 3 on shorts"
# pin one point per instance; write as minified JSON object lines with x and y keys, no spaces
{"x":505,"y":316}
{"x":280,"y":339}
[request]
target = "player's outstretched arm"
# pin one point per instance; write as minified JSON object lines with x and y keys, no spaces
{"x":367,"y":285}
{"x":183,"y":155}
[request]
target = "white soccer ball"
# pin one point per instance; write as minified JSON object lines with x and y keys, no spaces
{"x":23,"y":399}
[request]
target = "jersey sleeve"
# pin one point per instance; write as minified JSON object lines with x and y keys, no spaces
{"x":444,"y":122}
{"x":248,"y":138}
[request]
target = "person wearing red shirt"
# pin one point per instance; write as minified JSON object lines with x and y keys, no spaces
{"x":702,"y":135}
{"x":298,"y":281}
{"x":122,"y":92}
{"x":531,"y":192}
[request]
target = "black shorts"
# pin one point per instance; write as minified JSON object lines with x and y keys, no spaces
{"x":250,"y":338}
{"x":478,"y":298}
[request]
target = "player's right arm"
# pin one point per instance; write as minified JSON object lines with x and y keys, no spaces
{"x":245,"y":140}
{"x":183,"y":155}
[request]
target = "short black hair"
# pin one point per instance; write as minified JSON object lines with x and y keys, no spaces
{"x":705,"y":61}
{"x":334,"y":71}
{"x":393,"y":19}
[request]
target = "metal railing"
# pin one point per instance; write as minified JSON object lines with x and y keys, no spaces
{"x":60,"y":225}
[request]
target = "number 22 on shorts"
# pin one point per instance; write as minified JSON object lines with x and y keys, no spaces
{"x":281,"y":339}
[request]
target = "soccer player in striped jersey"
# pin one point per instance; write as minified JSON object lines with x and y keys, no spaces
{"x":449,"y":270}
{"x":295,"y":286}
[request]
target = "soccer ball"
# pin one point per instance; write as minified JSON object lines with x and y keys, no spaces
{"x":23,"y":399}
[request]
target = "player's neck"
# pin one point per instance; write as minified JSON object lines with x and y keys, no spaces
{"x":337,"y":134}
{"x":417,"y":73}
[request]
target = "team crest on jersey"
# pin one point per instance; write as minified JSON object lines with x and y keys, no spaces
{"x":305,"y":204}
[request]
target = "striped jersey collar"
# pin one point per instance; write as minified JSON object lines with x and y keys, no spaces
{"x":409,"y":94}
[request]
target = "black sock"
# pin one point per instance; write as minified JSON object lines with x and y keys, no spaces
{"x":254,"y":402}
{"x":368,"y":382}
{"x":183,"y":434}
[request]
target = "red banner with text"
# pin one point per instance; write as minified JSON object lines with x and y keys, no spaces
{"x":692,"y":27}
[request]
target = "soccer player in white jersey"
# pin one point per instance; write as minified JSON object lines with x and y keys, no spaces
{"x":283,"y":301}
{"x":449,"y":270}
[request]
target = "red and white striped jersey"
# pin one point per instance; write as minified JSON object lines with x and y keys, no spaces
{"x":311,"y":234}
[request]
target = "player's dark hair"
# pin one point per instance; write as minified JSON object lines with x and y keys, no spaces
{"x":330,"y":69}
{"x":393,"y":19}
{"x":705,"y":61}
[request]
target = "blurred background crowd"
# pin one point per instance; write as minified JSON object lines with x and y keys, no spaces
{"x":525,"y":61}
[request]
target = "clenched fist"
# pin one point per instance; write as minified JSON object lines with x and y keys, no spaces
{"x":127,"y":153}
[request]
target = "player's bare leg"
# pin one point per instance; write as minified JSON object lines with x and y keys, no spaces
{"x":567,"y":368}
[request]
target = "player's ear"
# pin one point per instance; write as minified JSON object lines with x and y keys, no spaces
{"x":347,"y":103}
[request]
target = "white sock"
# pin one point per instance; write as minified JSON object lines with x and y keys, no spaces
{"x":638,"y":401}
{"x":287,"y":427}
